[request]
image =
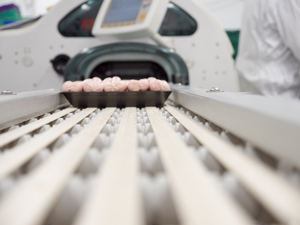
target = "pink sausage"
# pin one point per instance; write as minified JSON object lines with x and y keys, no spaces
{"x":144,"y":83}
{"x":115,"y":79}
{"x":97,"y":85}
{"x":110,"y":87}
{"x":165,"y":86}
{"x":77,"y":86}
{"x":96,"y":79}
{"x":121,"y":86}
{"x":150,"y":79}
{"x":88,"y":85}
{"x":134,"y":85}
{"x":155,"y":85}
{"x":127,"y":83}
{"x":67,"y":86}
{"x":107,"y":81}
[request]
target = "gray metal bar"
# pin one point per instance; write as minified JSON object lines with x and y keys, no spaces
{"x":23,"y":106}
{"x":272,"y":124}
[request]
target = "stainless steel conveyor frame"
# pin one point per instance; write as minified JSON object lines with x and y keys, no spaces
{"x":272,"y":124}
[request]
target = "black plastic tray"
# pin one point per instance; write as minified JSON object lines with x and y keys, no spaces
{"x":117,"y":99}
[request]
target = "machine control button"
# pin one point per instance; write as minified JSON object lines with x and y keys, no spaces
{"x":27,"y":61}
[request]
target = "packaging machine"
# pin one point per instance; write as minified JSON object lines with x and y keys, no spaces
{"x":206,"y":157}
{"x":188,"y":46}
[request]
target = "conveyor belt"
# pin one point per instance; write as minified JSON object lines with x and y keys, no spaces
{"x":136,"y":166}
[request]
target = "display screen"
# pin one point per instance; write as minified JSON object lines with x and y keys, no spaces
{"x":123,"y":11}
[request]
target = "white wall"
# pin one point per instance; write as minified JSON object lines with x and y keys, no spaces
{"x":31,"y":8}
{"x":42,"y":5}
{"x":228,"y":12}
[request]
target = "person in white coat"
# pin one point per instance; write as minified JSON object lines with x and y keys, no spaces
{"x":269,"y":50}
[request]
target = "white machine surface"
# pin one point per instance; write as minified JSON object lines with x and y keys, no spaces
{"x":206,"y":157}
{"x":191,"y":31}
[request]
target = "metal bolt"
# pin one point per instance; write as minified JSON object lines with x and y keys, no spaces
{"x":215,"y":89}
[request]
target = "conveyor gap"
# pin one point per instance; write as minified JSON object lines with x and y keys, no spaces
{"x":285,"y":169}
{"x":289,"y":172}
{"x":100,"y":148}
{"x":9,"y":182}
{"x":13,"y":179}
{"x":73,"y":196}
{"x":231,"y":138}
{"x":158,"y":203}
{"x":70,"y":200}
{"x":219,"y":173}
{"x":32,"y":134}
{"x":27,"y":121}
{"x":148,"y":150}
{"x":157,"y":199}
{"x":196,"y":148}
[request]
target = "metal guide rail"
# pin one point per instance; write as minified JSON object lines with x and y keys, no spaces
{"x":138,"y":166}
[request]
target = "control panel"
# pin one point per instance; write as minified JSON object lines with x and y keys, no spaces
{"x":130,"y":19}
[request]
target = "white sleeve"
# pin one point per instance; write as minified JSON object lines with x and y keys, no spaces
{"x":287,"y":17}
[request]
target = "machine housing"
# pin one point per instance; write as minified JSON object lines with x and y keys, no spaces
{"x":28,"y":52}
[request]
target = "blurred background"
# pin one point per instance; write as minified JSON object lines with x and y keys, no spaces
{"x":227,"y":12}
{"x":27,"y":8}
